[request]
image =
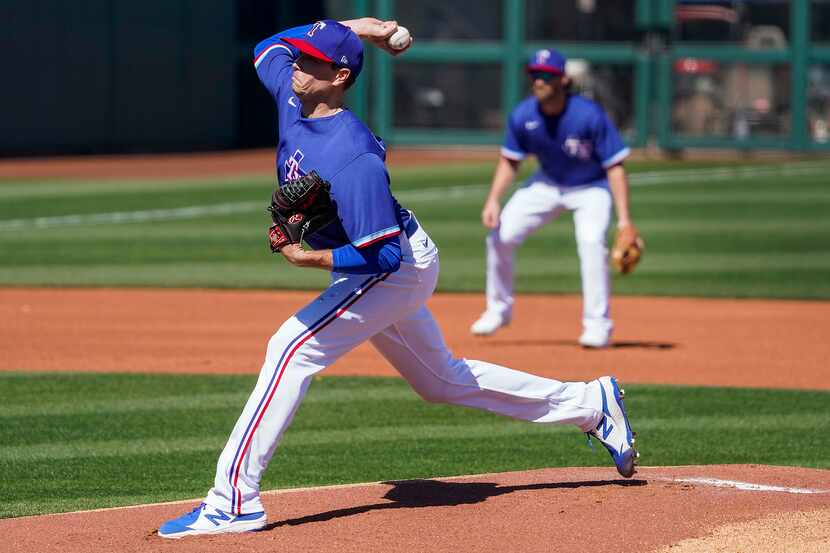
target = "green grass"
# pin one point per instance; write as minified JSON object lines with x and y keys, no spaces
{"x":95,"y":440}
{"x":713,"y":236}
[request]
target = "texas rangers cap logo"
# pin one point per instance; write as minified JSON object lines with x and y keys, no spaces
{"x":316,"y":27}
{"x":331,"y":42}
{"x":547,"y":60}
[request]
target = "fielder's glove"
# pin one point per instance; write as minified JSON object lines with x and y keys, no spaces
{"x":628,"y":249}
{"x":299,"y":208}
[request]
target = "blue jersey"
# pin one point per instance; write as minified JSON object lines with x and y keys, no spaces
{"x":574,"y":148}
{"x":339,"y":147}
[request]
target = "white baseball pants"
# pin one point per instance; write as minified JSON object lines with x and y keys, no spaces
{"x":530,"y":208}
{"x":389,"y":310}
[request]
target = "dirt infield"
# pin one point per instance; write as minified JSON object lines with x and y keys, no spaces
{"x":660,"y":340}
{"x":708,"y":342}
{"x":574,"y":510}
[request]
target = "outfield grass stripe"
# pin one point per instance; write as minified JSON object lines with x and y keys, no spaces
{"x":703,"y":176}
{"x":303,"y":438}
{"x":175,"y":403}
{"x":699,"y":264}
{"x":736,"y":262}
{"x":700,"y":226}
{"x":66,"y":462}
{"x":703,"y":227}
{"x":110,"y":448}
{"x":740,"y":197}
{"x":115,"y":405}
{"x":223,"y":275}
{"x":121,"y":217}
{"x":395,"y":433}
{"x":730,"y":173}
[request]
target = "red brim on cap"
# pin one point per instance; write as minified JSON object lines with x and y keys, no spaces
{"x":307,"y":48}
{"x":544,"y":68}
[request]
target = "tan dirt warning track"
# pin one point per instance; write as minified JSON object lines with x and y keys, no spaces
{"x":201,"y":165}
{"x":705,"y":342}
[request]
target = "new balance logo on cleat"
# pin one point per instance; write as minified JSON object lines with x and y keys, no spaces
{"x":606,"y":428}
{"x":205,"y":519}
{"x":221,"y":515}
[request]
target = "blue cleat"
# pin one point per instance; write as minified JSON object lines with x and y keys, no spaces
{"x":205,"y":519}
{"x":613,"y":430}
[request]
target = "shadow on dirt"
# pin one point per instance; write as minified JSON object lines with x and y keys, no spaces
{"x":633,"y":344}
{"x":411,"y":494}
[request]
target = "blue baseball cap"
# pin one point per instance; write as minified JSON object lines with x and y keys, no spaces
{"x":547,"y":60}
{"x":333,"y":42}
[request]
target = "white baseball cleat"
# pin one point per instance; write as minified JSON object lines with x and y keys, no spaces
{"x":205,"y":519}
{"x":614,"y":431}
{"x":594,"y":338}
{"x":488,"y":323}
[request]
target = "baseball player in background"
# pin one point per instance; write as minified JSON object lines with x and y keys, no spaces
{"x":384,"y":268}
{"x":580,"y":154}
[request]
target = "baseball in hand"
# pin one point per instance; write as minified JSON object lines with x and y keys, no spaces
{"x":399,"y":39}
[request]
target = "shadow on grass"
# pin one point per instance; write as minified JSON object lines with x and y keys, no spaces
{"x":634,"y":344}
{"x":412,"y":494}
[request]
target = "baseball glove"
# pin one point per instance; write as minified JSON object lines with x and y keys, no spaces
{"x":628,"y":249}
{"x":299,"y":208}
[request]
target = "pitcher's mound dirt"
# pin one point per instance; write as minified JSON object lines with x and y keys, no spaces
{"x":573,"y":510}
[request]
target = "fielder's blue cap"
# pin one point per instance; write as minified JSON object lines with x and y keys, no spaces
{"x":333,"y":42}
{"x":547,"y":60}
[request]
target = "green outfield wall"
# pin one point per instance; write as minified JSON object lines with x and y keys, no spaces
{"x":112,"y":76}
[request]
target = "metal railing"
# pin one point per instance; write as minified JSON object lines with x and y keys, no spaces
{"x":656,"y":64}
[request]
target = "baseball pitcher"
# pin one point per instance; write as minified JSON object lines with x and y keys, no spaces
{"x":335,"y":196}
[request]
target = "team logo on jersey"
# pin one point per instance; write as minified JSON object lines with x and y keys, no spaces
{"x":292,"y":101}
{"x":292,"y":165}
{"x":530,"y":125}
{"x":316,"y":27}
{"x":578,"y":148}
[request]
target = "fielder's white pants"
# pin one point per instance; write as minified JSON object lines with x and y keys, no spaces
{"x":530,"y":208}
{"x":388,"y":310}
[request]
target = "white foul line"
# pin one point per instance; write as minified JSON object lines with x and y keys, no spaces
{"x":637,"y":179}
{"x":745,"y":486}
